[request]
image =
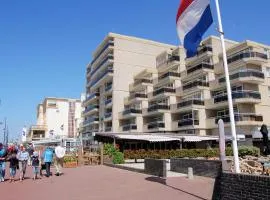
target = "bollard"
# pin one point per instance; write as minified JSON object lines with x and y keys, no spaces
{"x":190,"y":173}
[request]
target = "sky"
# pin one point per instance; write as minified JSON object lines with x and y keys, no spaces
{"x":45,"y":45}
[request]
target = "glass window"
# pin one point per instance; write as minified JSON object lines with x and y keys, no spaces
{"x":267,"y":72}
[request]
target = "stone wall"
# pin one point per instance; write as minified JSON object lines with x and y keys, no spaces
{"x":207,"y":168}
{"x":231,"y":186}
{"x":155,"y":167}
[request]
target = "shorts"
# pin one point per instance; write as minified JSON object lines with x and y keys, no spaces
{"x":35,"y":169}
{"x":12,"y":171}
{"x":22,"y":165}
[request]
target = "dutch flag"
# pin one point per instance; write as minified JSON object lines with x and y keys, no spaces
{"x":193,"y":19}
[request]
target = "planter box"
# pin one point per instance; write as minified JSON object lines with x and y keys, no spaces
{"x":70,"y":165}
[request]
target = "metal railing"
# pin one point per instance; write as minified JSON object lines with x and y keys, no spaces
{"x":168,"y":74}
{"x":93,"y":119}
{"x":129,"y":127}
{"x":205,"y":49}
{"x":108,"y":57}
{"x":188,"y":122}
{"x":158,"y":107}
{"x":190,"y":102}
{"x":200,"y":66}
{"x":240,"y":117}
{"x":92,"y":96}
{"x":195,"y":84}
{"x":90,"y":108}
{"x":139,"y":81}
{"x":110,"y":43}
{"x":101,"y":76}
{"x":163,"y":90}
{"x":108,"y":87}
{"x":238,"y":95}
{"x":243,"y":74}
{"x":153,"y":125}
{"x":108,"y":101}
{"x":137,"y":95}
{"x":249,"y":54}
{"x":107,"y":115}
{"x":131,"y":111}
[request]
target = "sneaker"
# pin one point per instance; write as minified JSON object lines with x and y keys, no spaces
{"x":2,"y":179}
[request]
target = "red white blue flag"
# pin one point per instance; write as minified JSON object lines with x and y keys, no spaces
{"x":193,"y":19}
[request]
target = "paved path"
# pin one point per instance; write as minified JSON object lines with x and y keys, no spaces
{"x":103,"y":183}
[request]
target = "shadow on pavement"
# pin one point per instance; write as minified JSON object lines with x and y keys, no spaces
{"x":163,"y":182}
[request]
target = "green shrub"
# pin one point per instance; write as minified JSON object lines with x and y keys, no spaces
{"x":118,"y":158}
{"x":109,"y":149}
{"x":189,"y":153}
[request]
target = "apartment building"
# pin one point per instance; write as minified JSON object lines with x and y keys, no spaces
{"x":188,"y":96}
{"x":114,"y":64}
{"x":56,"y":118}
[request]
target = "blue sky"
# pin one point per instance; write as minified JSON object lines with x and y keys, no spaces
{"x":46,"y":45}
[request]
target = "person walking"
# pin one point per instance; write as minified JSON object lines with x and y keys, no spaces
{"x":30,"y":151}
{"x":59,"y":159}
{"x":13,"y":164}
{"x":3,"y":154}
{"x":35,"y":164}
{"x":48,"y":158}
{"x":23,"y":157}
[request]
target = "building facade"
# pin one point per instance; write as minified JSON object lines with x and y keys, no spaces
{"x":57,"y":118}
{"x":115,"y":62}
{"x":175,"y":95}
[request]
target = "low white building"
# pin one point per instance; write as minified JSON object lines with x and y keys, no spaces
{"x":57,"y":118}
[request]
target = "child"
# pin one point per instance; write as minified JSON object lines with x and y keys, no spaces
{"x":35,"y":164}
{"x":14,"y":164}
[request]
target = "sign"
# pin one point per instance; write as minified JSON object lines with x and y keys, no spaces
{"x":24,"y":134}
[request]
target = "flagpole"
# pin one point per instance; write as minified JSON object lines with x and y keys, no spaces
{"x":229,"y":93}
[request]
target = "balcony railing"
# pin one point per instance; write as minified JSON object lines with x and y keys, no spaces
{"x":90,"y":108}
{"x":250,"y":54}
{"x":163,"y":90}
{"x":137,"y":95}
{"x":243,"y":74}
{"x":168,"y":74}
{"x":195,"y":84}
{"x":108,"y":129}
{"x":173,"y":58}
{"x":238,"y":95}
{"x":158,"y":107}
{"x":109,"y":57}
{"x":200,"y":66}
{"x":190,"y":102}
{"x":132,"y":111}
{"x":101,"y":76}
{"x":188,"y":122}
{"x":108,"y":101}
{"x":154,"y":125}
{"x":139,"y":81}
{"x":238,"y":117}
{"x":129,"y":127}
{"x":205,"y":49}
{"x":108,"y":87}
{"x":92,"y":96}
{"x":107,"y":115}
{"x":93,"y":119}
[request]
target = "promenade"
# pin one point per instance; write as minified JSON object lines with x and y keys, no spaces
{"x":103,"y":183}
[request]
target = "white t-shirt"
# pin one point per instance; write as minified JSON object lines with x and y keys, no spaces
{"x":60,"y":152}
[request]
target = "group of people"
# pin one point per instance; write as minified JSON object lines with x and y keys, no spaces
{"x":18,"y":157}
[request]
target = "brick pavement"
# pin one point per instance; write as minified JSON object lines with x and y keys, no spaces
{"x":102,"y":183}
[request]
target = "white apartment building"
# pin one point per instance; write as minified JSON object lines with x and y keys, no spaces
{"x":174,"y":95}
{"x":57,"y":118}
{"x":114,"y":64}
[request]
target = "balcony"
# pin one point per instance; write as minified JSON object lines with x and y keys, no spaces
{"x":129,"y":127}
{"x":108,"y":58}
{"x":108,"y":101}
{"x":163,"y":90}
{"x":188,"y":122}
{"x":92,"y":96}
{"x":108,"y":115}
{"x":157,"y":107}
{"x":108,"y":129}
{"x":140,"y":81}
{"x":242,"y":117}
{"x":132,"y":111}
{"x":190,"y":102}
{"x":169,"y":74}
{"x":199,"y":67}
{"x":137,"y":95}
{"x":238,"y":95}
{"x":245,"y":55}
{"x":91,"y":120}
{"x":90,"y":108}
{"x":101,"y":76}
{"x":156,"y":125}
{"x":245,"y":74}
{"x":195,"y":84}
{"x":108,"y":88}
{"x":204,"y":49}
